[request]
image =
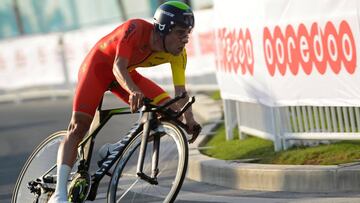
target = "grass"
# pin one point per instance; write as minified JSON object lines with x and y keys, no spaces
{"x":262,"y":151}
{"x":235,"y":149}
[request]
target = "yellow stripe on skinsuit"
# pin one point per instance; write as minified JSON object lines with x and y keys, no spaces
{"x":160,"y":97}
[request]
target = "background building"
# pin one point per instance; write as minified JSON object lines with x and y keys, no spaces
{"x":24,"y":17}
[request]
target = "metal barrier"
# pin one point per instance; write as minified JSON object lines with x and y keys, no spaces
{"x":284,"y":124}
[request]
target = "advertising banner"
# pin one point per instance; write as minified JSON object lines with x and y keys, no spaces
{"x":30,"y":61}
{"x":283,"y":52}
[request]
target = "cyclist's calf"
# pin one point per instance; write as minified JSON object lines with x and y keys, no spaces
{"x":79,"y":125}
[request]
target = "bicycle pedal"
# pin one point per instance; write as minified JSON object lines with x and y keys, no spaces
{"x":49,"y":179}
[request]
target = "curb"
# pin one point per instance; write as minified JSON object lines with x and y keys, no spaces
{"x":264,"y":177}
{"x":34,"y":95}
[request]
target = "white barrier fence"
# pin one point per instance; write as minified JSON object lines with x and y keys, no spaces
{"x":251,"y":118}
{"x":288,"y":70}
{"x":283,"y":125}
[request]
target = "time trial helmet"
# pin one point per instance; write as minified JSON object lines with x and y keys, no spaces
{"x":171,"y":14}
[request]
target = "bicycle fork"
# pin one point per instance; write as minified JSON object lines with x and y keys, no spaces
{"x":149,"y":117}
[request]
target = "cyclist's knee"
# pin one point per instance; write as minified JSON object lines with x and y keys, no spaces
{"x":79,"y":125}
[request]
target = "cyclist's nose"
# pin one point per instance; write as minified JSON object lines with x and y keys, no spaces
{"x":185,"y":39}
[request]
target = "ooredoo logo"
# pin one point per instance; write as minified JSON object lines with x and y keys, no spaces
{"x":235,"y":49}
{"x":315,"y":48}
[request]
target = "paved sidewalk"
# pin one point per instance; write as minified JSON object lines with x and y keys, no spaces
{"x":263,"y":177}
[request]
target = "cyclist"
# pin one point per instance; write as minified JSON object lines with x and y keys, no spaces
{"x":115,"y":57}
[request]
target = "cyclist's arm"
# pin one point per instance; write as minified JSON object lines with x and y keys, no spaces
{"x":123,"y":77}
{"x":128,"y":39}
{"x":178,"y":66}
{"x":179,"y":90}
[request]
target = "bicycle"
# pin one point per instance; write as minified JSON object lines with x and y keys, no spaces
{"x":139,"y":174}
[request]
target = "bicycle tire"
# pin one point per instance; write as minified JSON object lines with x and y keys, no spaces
{"x":32,"y":169}
{"x":120,"y":180}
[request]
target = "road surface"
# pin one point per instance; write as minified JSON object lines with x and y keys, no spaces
{"x":24,"y":125}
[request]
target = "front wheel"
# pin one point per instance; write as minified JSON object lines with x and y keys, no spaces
{"x":40,"y":164}
{"x":126,"y":186}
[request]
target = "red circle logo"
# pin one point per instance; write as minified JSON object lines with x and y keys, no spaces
{"x":235,"y":51}
{"x":310,"y":49}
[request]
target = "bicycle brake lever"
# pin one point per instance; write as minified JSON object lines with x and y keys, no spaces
{"x":196,"y":131}
{"x":177,"y":98}
{"x":186,"y":106}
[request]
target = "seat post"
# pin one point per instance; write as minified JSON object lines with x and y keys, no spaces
{"x":97,"y":117}
{"x":99,"y":111}
{"x":100,"y":104}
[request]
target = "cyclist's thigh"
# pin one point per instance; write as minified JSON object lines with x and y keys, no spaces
{"x":148,"y":87}
{"x":93,"y":81}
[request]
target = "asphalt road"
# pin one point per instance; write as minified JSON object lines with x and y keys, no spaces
{"x":24,"y":125}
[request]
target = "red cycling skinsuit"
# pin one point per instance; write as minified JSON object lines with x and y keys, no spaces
{"x":131,"y":41}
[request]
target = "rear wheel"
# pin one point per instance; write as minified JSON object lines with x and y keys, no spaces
{"x":126,"y":186}
{"x":40,"y":164}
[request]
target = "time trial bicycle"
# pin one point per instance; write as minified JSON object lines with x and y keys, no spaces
{"x":147,"y":165}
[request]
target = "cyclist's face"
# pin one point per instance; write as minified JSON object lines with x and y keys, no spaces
{"x":177,"y":39}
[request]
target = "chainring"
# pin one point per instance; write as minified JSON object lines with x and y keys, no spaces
{"x":79,"y":187}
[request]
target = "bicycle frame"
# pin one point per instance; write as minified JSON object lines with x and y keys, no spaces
{"x":87,"y":144}
{"x":145,"y":124}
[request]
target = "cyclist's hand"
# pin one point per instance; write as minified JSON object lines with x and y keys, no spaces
{"x":176,"y":107}
{"x":136,"y":100}
{"x":194,"y":129}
